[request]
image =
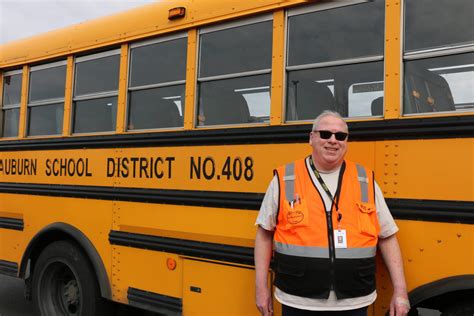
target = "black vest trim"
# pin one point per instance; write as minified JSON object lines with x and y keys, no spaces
{"x":309,"y":277}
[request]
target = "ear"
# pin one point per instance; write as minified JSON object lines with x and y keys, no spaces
{"x":311,"y":138}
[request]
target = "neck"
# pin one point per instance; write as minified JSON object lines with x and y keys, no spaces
{"x":326,"y":167}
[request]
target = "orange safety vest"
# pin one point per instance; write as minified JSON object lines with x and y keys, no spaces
{"x":306,"y":261}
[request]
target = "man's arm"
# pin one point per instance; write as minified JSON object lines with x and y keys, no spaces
{"x":392,"y":256}
{"x":263,"y":255}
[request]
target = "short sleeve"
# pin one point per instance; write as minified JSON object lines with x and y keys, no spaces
{"x":388,"y":227}
{"x":269,"y":209}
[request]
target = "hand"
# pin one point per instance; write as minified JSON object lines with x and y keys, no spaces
{"x":264,"y":301}
{"x":399,"y":305}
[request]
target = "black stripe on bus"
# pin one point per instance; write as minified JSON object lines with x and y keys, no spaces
{"x":11,"y":223}
{"x":8,"y":268}
{"x":177,"y":197}
{"x":410,"y":209}
{"x":432,"y":210}
{"x":154,"y":302}
{"x":414,"y":128}
{"x":206,"y":250}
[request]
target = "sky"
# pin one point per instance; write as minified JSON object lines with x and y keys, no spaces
{"x":24,"y":18}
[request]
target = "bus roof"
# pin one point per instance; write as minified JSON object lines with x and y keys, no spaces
{"x":148,"y":20}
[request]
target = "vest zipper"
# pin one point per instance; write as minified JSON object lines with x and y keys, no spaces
{"x":332,"y":249}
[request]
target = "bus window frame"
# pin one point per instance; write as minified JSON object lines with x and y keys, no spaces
{"x":10,"y":106}
{"x":44,"y":102}
{"x":341,"y":62}
{"x":92,"y":96}
{"x":265,"y":17}
{"x":147,"y":42}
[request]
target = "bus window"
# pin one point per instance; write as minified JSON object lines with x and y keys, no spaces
{"x":11,"y":103}
{"x":439,"y":84}
{"x":234,"y":73}
{"x":430,"y":25}
{"x":439,"y":61}
{"x":95,"y":92}
{"x":157,"y":83}
{"x":46,"y":99}
{"x":327,"y":60}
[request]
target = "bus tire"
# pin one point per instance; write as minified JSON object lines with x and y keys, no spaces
{"x":64,"y":282}
{"x":462,"y":308}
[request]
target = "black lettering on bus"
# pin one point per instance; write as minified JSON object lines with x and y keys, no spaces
{"x":124,"y":171}
{"x":170,"y":161}
{"x":1,"y":165}
{"x":13,"y":162}
{"x":63,"y":167}
{"x":110,"y":167}
{"x":71,"y":167}
{"x":209,"y":168}
{"x":88,"y":173}
{"x":80,"y":168}
{"x":27,"y":167}
{"x":134,"y":167}
{"x":143,"y":167}
{"x":160,"y":174}
{"x":48,"y":167}
{"x":195,"y":168}
{"x":34,"y":163}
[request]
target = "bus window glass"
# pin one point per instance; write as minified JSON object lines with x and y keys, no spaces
{"x":11,"y":89}
{"x":440,"y":23}
{"x":234,"y":74}
{"x":11,"y":103}
{"x":156,"y":108}
{"x":439,"y":84}
{"x":47,"y":83}
{"x":45,"y":119}
{"x":311,"y":91}
{"x":321,"y":36}
{"x":339,"y":68}
{"x":97,"y":75}
{"x":240,"y":49}
{"x":234,"y":101}
{"x":157,"y":84}
{"x":95,"y":92}
{"x":158,"y":63}
{"x":438,"y":56}
{"x":95,"y":115}
{"x":46,"y":99}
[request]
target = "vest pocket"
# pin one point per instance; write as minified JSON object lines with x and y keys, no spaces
{"x":296,"y":215}
{"x":307,"y":277}
{"x":368,"y":222}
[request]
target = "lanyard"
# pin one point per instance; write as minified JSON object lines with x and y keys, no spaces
{"x":334,"y":200}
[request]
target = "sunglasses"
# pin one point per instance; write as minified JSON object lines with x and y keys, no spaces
{"x":340,"y":136}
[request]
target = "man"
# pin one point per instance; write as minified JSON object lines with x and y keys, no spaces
{"x":326,"y":216}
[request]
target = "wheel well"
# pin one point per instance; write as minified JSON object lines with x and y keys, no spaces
{"x":62,"y":231}
{"x":444,"y":292}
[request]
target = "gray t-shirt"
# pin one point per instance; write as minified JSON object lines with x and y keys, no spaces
{"x":267,"y":220}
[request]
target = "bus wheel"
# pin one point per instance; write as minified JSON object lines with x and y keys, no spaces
{"x":64,"y":282}
{"x":462,"y":308}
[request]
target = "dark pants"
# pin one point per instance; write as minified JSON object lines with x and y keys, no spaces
{"x":290,"y":311}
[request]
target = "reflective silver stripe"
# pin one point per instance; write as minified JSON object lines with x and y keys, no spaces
{"x":289,"y":179}
{"x":320,"y":252}
{"x":355,"y":253}
{"x":301,"y":251}
{"x":364,"y":187}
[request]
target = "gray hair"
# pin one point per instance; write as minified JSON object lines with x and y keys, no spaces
{"x":328,"y":113}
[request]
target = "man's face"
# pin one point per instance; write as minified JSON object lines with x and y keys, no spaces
{"x":328,"y":153}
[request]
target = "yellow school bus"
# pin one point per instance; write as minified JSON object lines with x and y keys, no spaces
{"x":135,"y":149}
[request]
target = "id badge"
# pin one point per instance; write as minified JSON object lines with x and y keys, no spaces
{"x":340,"y":238}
